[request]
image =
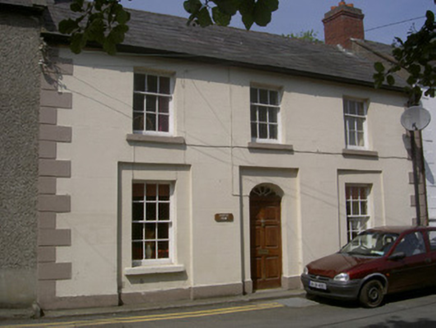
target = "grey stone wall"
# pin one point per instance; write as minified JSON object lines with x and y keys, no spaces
{"x":19,"y":115}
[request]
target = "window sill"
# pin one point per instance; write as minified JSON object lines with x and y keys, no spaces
{"x":270,"y":146}
{"x":155,"y":139}
{"x":359,"y":152}
{"x":153,"y":269}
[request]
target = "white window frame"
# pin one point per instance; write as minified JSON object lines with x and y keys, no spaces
{"x":358,"y":209}
{"x":269,"y":106}
{"x":171,"y":201}
{"x":351,"y":120}
{"x":144,"y":107}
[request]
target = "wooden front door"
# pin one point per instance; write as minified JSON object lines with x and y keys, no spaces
{"x":265,"y":238}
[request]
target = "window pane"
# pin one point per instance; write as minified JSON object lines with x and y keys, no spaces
{"x":150,"y":250}
{"x":138,"y":102}
{"x":151,"y":212}
{"x":163,"y":124}
{"x":151,"y":122}
{"x":163,"y":247}
{"x":364,"y":207}
{"x":273,"y":131}
{"x":263,"y":96}
{"x":355,"y":208}
{"x":138,"y":191}
{"x":164,"y":192}
{"x":152,"y":83}
{"x":138,"y":211}
{"x":164,"y":105}
{"x":352,"y":107}
{"x":164,"y":211}
{"x":359,"y":125}
{"x":164,"y":86}
{"x":137,"y":251}
{"x":352,"y":139}
{"x":137,"y":231}
{"x":360,"y":108}
{"x":360,"y":140}
{"x":263,"y":114}
{"x":151,"y":191}
{"x":253,"y":95}
{"x":253,"y":130}
{"x":432,"y":238}
{"x":163,"y":231}
{"x":139,"y":82}
{"x":272,"y":115}
{"x":411,"y":244}
{"x":263,"y":131}
{"x":150,"y":231}
{"x":253,"y":113}
{"x":151,"y":102}
{"x":138,"y":121}
{"x":273,"y":98}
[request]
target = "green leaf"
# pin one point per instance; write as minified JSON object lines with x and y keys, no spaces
{"x":110,"y":47}
{"x":378,"y":80}
{"x":117,"y":34}
{"x":391,"y":80}
{"x":122,"y":17}
{"x":220,"y":18}
{"x":203,"y":17}
{"x":192,"y":6}
{"x":414,"y":69}
{"x":379,"y":67}
{"x":229,"y":7}
{"x":430,"y":19}
{"x":411,"y":80}
{"x":246,"y":9}
{"x":96,"y":30}
{"x":68,"y":26}
{"x":262,"y":14}
{"x":78,"y":42}
{"x":272,"y":5}
{"x":77,"y":6}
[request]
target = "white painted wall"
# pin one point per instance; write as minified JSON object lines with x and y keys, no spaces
{"x":215,"y":171}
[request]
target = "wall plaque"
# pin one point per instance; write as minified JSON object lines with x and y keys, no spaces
{"x":224,"y":217}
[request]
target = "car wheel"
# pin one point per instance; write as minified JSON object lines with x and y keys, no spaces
{"x":371,"y":294}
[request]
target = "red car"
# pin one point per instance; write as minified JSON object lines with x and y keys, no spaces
{"x":377,"y":262}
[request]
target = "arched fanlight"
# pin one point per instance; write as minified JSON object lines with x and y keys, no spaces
{"x":263,"y":191}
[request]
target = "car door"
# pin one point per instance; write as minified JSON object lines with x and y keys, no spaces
{"x":412,"y":269}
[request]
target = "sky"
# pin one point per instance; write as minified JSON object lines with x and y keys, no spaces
{"x":384,"y":19}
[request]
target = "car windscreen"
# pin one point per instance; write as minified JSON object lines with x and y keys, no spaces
{"x":374,"y":244}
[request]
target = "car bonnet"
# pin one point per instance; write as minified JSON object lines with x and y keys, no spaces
{"x":334,"y":264}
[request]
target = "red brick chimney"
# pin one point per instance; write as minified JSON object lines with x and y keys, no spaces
{"x":341,"y":23}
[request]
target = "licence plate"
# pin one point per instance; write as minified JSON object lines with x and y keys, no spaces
{"x":317,"y":285}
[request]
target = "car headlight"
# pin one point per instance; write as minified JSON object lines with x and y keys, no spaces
{"x":342,"y":277}
{"x":306,"y":271}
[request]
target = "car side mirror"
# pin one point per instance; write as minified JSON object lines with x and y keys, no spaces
{"x":397,"y":256}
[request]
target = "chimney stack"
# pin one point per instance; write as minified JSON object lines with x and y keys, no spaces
{"x":342,"y":23}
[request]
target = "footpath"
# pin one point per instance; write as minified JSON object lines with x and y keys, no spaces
{"x":35,"y":312}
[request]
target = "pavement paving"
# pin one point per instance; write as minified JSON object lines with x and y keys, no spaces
{"x":292,"y":298}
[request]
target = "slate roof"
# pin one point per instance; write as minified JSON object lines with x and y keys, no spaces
{"x":27,"y":4}
{"x":163,"y":34}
